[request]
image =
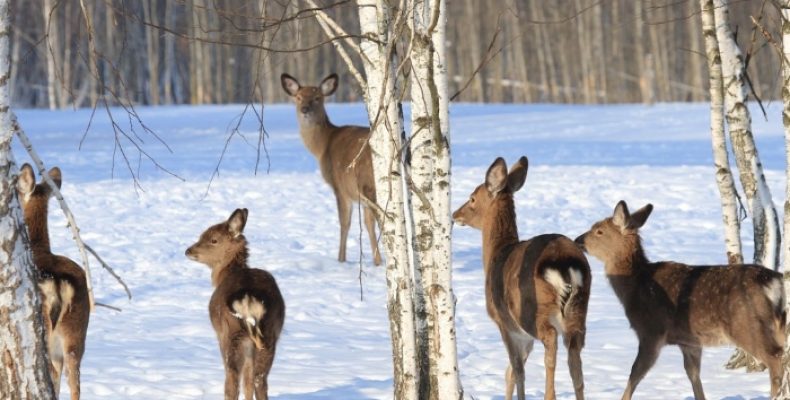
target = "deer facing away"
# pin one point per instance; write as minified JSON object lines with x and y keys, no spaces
{"x":246,"y":309}
{"x":64,"y":290}
{"x":343,"y":156}
{"x":537,"y":288}
{"x":692,"y":307}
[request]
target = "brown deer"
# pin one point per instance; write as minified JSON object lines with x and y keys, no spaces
{"x":537,"y":288}
{"x":343,"y":156}
{"x":246,"y":309}
{"x":692,"y":307}
{"x":64,"y":290}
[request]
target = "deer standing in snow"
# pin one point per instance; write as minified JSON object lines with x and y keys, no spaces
{"x":692,"y":307}
{"x":64,"y":290}
{"x":246,"y":308}
{"x":343,"y":156}
{"x":537,"y":288}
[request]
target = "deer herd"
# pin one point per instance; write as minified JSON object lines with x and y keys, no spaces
{"x":537,"y":288}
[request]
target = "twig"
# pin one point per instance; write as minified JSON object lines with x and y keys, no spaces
{"x":108,"y":306}
{"x":483,"y":63}
{"x":56,"y":191}
{"x":110,"y":270}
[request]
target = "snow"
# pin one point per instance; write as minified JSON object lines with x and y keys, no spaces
{"x":335,"y":346}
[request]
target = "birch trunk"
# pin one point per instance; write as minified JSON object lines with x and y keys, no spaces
{"x":24,"y":371}
{"x":386,"y":125}
{"x":430,"y":174}
{"x":758,"y":196}
{"x":51,"y":32}
{"x":724,"y":180}
{"x":784,"y":390}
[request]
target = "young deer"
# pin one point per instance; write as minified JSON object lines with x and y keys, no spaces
{"x":535,"y":288}
{"x":692,"y":307}
{"x":64,"y":290}
{"x":343,"y":156}
{"x":246,"y":309}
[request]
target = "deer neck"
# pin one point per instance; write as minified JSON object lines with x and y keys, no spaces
{"x":36,"y":221}
{"x":627,"y":259}
{"x":222,"y":271}
{"x":499,"y":228}
{"x":316,"y":133}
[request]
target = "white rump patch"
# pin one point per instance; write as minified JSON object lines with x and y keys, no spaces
{"x":553,"y":277}
{"x":775,"y":292}
{"x":577,"y":280}
{"x":248,"y":309}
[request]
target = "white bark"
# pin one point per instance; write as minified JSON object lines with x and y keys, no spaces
{"x":51,"y":44}
{"x":23,"y":360}
{"x":784,"y":390}
{"x":758,"y":196}
{"x":430,"y":174}
{"x":386,"y":122}
{"x":724,"y":180}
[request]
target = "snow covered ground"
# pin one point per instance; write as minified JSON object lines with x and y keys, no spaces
{"x":335,"y":346}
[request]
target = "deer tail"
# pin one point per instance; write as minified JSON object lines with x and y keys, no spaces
{"x":250,"y":311}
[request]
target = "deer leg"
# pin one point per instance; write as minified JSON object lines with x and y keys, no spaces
{"x":263,"y":364}
{"x":645,"y":358}
{"x":514,"y":374}
{"x":231,"y":357}
{"x":344,"y":216}
{"x":370,"y":224}
{"x":548,"y":335}
{"x":247,"y":377}
{"x":73,"y":357}
{"x":575,"y":365}
{"x":55,"y":360}
{"x":692,"y":357}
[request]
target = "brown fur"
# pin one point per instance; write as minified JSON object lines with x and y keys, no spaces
{"x":64,"y":290}
{"x":692,"y":307}
{"x":336,"y":148}
{"x":246,"y":309}
{"x":521,"y":298}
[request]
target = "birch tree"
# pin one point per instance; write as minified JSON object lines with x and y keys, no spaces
{"x":784,"y":7}
{"x":430,"y":175}
{"x":721,"y":161}
{"x":24,"y":371}
{"x":758,"y":197}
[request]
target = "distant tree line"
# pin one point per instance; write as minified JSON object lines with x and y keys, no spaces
{"x":233,"y":51}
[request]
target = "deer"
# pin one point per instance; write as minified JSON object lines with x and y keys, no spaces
{"x":342,"y":153}
{"x":62,"y":284}
{"x":670,"y":303}
{"x":535,"y":289}
{"x":246,"y":309}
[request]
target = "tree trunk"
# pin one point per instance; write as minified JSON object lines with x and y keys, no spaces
{"x":758,"y":196}
{"x":430,"y":174}
{"x":784,"y":390}
{"x":386,"y":122}
{"x":24,"y":371}
{"x":724,"y":180}
{"x":51,"y":44}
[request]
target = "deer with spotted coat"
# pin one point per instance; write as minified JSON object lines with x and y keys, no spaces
{"x":690,"y":306}
{"x":538,"y":288}
{"x":343,"y":156}
{"x":62,"y":283}
{"x":246,"y":309}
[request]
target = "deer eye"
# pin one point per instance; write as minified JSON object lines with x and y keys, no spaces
{"x":599,"y":232}
{"x":471,"y":200}
{"x":214,"y":241}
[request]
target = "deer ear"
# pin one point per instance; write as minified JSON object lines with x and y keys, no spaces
{"x":496,"y":176}
{"x":639,"y":217}
{"x":329,"y":85}
{"x":290,"y":84}
{"x":26,"y":181}
{"x":54,"y":174}
{"x":237,"y":221}
{"x":621,"y":216}
{"x":517,"y":174}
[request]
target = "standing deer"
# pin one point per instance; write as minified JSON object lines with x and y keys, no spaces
{"x":64,"y":290}
{"x":692,"y":307}
{"x":343,"y":156}
{"x":246,"y":309}
{"x":534,"y":289}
